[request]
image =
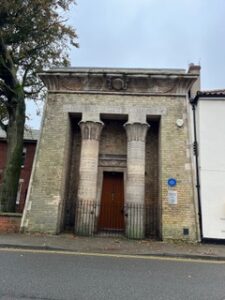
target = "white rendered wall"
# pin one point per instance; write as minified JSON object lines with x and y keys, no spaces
{"x":211,"y":137}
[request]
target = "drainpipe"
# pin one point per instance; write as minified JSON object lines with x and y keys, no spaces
{"x":193,"y":103}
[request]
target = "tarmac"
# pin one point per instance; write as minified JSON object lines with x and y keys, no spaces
{"x":113,"y":245}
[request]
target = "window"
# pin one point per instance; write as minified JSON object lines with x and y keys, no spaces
{"x":23,"y":157}
{"x":19,"y":191}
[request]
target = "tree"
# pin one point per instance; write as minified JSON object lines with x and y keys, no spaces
{"x":33,"y":36}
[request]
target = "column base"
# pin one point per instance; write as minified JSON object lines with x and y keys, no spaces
{"x":85,"y":218}
{"x":135,"y":221}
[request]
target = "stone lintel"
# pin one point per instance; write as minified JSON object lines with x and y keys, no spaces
{"x":93,"y":111}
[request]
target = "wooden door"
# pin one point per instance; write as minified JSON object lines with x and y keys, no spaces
{"x":112,"y":202}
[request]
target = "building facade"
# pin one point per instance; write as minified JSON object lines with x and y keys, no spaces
{"x":114,"y":155}
{"x":209,"y":109}
{"x":29,"y":147}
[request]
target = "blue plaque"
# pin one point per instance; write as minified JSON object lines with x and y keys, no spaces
{"x":172,"y":182}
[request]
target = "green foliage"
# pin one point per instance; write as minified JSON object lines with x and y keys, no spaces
{"x":34,"y":36}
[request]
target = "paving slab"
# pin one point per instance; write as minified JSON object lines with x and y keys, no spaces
{"x":118,"y":245}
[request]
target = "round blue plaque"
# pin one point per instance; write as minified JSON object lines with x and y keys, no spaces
{"x":172,"y":182}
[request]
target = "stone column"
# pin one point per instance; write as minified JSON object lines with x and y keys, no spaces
{"x":135,"y":184}
{"x":88,"y":171}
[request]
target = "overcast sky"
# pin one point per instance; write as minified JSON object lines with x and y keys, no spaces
{"x":151,"y":34}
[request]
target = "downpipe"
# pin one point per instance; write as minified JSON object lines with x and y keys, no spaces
{"x":193,"y":103}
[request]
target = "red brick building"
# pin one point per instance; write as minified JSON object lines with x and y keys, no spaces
{"x":30,"y":142}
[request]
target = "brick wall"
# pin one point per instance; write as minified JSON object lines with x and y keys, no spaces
{"x":25,"y":170}
{"x":3,"y":152}
{"x":9,"y":222}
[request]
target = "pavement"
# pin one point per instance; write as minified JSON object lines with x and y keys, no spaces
{"x":112,"y":245}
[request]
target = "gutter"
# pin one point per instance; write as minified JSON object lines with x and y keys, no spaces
{"x":194,"y":103}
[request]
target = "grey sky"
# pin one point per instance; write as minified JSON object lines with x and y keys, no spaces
{"x":151,"y":34}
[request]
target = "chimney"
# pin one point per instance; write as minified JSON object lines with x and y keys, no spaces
{"x":195,"y":69}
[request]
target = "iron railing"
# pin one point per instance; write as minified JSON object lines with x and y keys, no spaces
{"x":132,"y":220}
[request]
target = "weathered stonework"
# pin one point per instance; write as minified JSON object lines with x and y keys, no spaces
{"x":88,"y":174}
{"x":152,"y":180}
{"x":135,"y":186}
{"x":116,"y":97}
{"x":73,"y":174}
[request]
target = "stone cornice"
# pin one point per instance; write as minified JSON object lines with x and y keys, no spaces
{"x":119,"y":81}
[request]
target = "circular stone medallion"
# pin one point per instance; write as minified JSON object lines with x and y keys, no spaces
{"x":118,"y":84}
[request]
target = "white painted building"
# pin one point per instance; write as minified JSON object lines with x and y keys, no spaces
{"x":210,"y":129}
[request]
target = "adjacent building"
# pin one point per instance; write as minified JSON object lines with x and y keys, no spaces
{"x":115,"y":154}
{"x":29,"y":146}
{"x":209,"y":111}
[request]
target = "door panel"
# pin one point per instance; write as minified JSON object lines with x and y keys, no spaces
{"x":112,"y":202}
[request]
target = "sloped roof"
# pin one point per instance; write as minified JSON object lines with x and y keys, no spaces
{"x":219,"y":93}
{"x":211,"y":93}
{"x":29,"y":135}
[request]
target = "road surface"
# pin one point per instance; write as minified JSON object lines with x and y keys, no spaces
{"x":26,"y":275}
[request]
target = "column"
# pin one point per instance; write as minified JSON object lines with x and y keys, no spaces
{"x":88,"y":173}
{"x":135,"y":184}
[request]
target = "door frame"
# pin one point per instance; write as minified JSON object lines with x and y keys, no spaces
{"x":101,"y":176}
{"x":101,"y":171}
{"x":110,"y":175}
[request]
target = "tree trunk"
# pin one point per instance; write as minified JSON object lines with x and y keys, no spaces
{"x":11,"y":175}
